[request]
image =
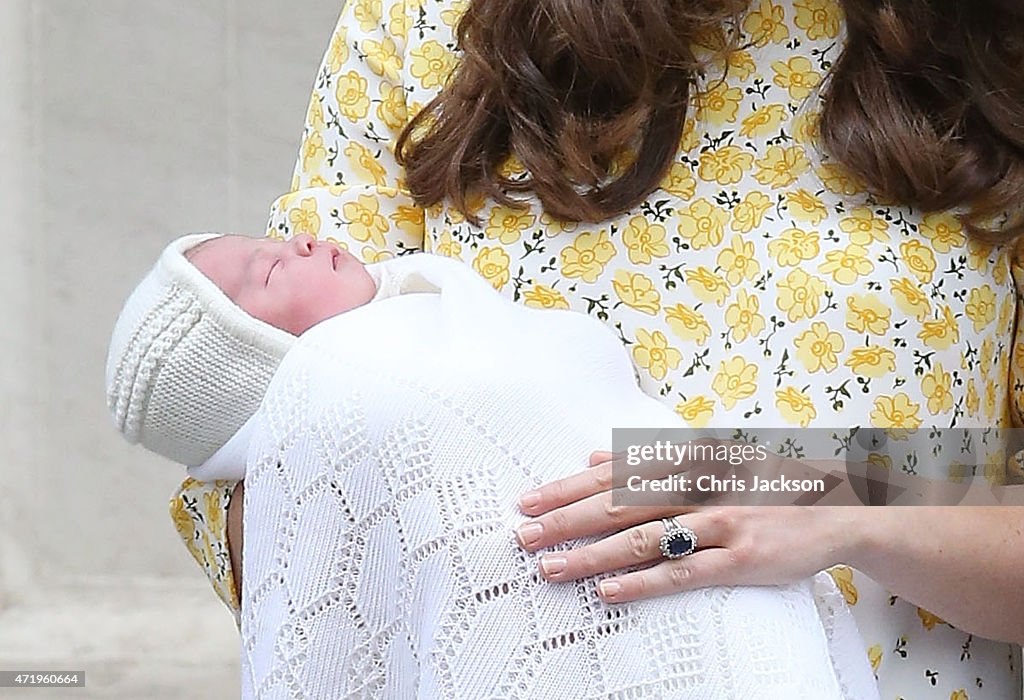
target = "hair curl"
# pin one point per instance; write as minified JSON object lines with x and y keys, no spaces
{"x":925,"y":104}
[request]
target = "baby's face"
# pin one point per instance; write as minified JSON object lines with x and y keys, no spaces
{"x":292,"y":285}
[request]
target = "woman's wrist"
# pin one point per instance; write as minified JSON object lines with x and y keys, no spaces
{"x":862,"y":535}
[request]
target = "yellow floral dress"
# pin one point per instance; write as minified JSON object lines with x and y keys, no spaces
{"x":759,"y":285}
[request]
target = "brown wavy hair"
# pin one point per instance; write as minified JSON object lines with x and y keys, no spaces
{"x":925,"y":103}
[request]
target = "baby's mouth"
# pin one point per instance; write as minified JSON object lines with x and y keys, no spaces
{"x":334,"y":259}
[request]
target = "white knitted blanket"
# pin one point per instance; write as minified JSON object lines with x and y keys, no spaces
{"x":379,"y":557}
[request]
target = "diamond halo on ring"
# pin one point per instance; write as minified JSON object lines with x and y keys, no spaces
{"x":678,"y":541}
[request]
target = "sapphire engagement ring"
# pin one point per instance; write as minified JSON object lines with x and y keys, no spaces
{"x":678,"y":541}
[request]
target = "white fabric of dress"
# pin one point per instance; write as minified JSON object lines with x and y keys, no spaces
{"x":383,"y":475}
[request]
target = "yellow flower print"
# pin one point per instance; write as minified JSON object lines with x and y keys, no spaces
{"x":959,"y":695}
{"x":818,"y":346}
{"x":432,"y":63}
{"x":305,"y":219}
{"x":707,"y":286}
{"x":867,"y":314}
{"x":748,"y":214}
{"x":794,"y":246}
{"x":493,"y":264}
{"x":452,"y":16}
{"x":981,"y":307}
{"x":350,"y":92}
{"x":543,"y":297}
{"x":741,"y":64}
{"x":653,"y":353}
{"x":448,"y":246}
{"x":942,"y":333}
{"x":796,"y":75}
{"x":875,"y":657}
{"x":364,"y":165}
{"x":766,"y":24}
{"x":909,"y":298}
{"x":800,"y":295}
{"x":365,"y":220}
{"x":214,"y":512}
{"x":382,"y":58}
{"x":315,"y":114}
{"x":588,"y":255}
{"x":929,"y":620}
{"x":919,"y":258}
{"x":313,"y":152}
{"x":795,"y":406}
{"x":805,"y":206}
{"x":985,"y":356}
{"x":511,"y":167}
{"x":375,"y":255}
{"x":738,"y":261}
{"x":181,"y":518}
{"x":637,"y":290}
{"x":337,"y":52}
{"x":743,"y":316}
{"x":644,"y":241}
{"x":697,"y":411}
{"x":408,"y":219}
{"x":688,"y":323}
{"x":819,"y":18}
{"x":881,"y":461}
{"x":807,"y":128}
{"x":995,"y":468}
{"x":843,"y":577}
{"x":839,"y":180}
{"x":690,"y":138}
{"x":973,"y":402}
{"x":781,"y":166}
{"x":507,"y":225}
{"x":719,"y":104}
{"x":764,"y":121}
{"x":935,"y":385}
{"x":553,"y":227}
{"x":871,"y":361}
{"x":398,"y":24}
{"x":1005,"y":311}
{"x":990,"y":401}
{"x":895,"y":412}
{"x":679,"y":181}
{"x":367,"y":13}
{"x":864,"y":227}
{"x":735,"y":380}
{"x":702,"y":224}
{"x":1001,"y":268}
{"x":847,"y":265}
{"x":944,"y":231}
{"x":725,"y":165}
{"x":978,"y":254}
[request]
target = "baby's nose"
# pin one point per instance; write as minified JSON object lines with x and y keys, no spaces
{"x":303,"y":244}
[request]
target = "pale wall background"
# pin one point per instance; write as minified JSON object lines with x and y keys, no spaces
{"x":123,"y":124}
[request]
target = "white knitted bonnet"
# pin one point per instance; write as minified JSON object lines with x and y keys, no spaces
{"x":186,"y":366}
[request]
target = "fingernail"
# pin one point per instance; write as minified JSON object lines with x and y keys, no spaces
{"x":529,"y":499}
{"x":610,"y":589}
{"x":529,"y":533}
{"x":552,"y":564}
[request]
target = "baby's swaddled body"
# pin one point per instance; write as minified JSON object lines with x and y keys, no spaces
{"x":381,"y":498}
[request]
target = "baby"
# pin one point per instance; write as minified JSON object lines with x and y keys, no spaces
{"x":201,"y":336}
{"x":405,"y":554}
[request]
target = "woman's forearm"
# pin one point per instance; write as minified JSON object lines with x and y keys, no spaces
{"x":964,"y":564}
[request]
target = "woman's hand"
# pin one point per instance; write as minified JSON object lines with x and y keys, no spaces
{"x":736,"y":545}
